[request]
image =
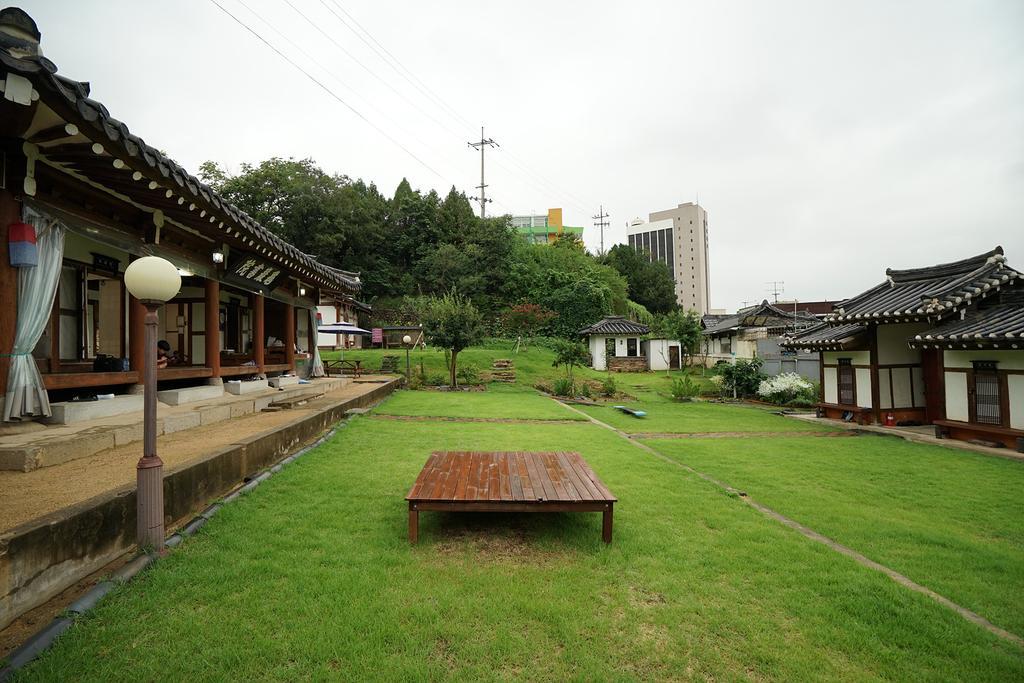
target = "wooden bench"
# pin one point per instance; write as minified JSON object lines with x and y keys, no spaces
{"x":458,"y":481}
{"x":356,"y":366}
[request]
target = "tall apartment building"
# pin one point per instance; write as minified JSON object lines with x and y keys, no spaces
{"x":679,"y":238}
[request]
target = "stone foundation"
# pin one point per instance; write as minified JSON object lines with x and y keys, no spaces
{"x":627,"y":363}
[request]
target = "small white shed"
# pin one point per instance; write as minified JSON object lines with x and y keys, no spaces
{"x":617,"y":344}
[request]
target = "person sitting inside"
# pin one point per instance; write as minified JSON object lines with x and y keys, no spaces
{"x":164,"y":355}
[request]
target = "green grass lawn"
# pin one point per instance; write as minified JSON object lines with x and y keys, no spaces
{"x":496,"y":402}
{"x":310,"y":577}
{"x":664,"y":416}
{"x":950,"y":520}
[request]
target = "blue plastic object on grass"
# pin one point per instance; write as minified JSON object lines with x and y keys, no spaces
{"x":630,"y":411}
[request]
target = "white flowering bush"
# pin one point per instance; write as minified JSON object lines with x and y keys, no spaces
{"x":785,"y":388}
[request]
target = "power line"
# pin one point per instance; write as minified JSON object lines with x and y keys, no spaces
{"x":601,"y":223}
{"x":482,"y":145}
{"x":327,"y":90}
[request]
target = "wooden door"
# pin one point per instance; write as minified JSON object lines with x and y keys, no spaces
{"x":934,"y":392}
{"x":673,"y":358}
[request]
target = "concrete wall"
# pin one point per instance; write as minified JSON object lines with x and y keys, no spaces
{"x":657,"y":352}
{"x":41,"y":558}
{"x":806,"y":365}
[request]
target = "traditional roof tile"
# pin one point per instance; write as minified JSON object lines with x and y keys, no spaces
{"x":998,"y":325}
{"x":929,"y":293}
{"x":615,"y":324}
{"x":823,"y":337}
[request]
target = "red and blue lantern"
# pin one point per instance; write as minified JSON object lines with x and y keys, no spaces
{"x":21,"y":241}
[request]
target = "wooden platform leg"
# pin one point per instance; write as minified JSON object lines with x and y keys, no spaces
{"x":414,"y":524}
{"x":606,"y":527}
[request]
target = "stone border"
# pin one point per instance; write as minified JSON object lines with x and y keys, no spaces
{"x":44,"y":638}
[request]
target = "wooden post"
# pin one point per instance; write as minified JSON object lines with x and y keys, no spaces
{"x":137,"y":337}
{"x":606,"y":524}
{"x":289,"y":336}
{"x":10,"y":212}
{"x":212,"y":333}
{"x":259,"y":335}
{"x":414,"y":524}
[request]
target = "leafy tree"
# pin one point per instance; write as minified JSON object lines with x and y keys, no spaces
{"x":570,"y":354}
{"x":453,"y":323}
{"x":650,"y":282}
{"x":681,"y":326}
{"x":527,"y":319}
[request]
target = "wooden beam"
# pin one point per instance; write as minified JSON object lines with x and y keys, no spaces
{"x":258,"y":330}
{"x":60,"y":132}
{"x":289,"y":336}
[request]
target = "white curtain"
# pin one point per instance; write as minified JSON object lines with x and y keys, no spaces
{"x":26,"y":395}
{"x":316,"y":364}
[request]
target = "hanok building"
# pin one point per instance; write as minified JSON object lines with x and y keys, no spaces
{"x":940,"y":345}
{"x":731,"y":337}
{"x":617,"y":344}
{"x":93,"y":196}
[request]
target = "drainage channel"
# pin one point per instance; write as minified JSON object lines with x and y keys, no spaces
{"x":43,"y":639}
{"x":813,"y":535}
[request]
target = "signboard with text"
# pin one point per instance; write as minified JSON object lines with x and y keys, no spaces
{"x":256,"y":271}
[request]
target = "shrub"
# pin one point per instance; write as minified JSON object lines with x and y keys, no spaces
{"x":743,"y":376}
{"x":784,"y":388}
{"x":608,"y":386}
{"x":562,"y":387}
{"x":585,"y":391}
{"x":468,"y":373}
{"x":435,"y":379}
{"x":684,"y":388}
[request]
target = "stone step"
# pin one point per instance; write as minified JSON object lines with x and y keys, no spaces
{"x":71,"y":412}
{"x":238,"y":388}
{"x":283,"y":381}
{"x":177,"y":397}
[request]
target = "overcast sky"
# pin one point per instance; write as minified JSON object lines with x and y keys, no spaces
{"x":827,"y":140}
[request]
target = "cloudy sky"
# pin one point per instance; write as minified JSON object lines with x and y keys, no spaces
{"x":827,"y":140}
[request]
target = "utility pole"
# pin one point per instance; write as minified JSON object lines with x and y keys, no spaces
{"x":775,"y":288}
{"x":483,"y":144}
{"x":600,"y":221}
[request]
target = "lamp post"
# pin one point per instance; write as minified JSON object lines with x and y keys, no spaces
{"x":152,"y":280}
{"x":407,"y":340}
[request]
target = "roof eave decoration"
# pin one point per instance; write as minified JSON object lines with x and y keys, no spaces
{"x":154,"y":178}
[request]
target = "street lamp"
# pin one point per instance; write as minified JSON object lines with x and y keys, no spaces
{"x":152,"y":280}
{"x":407,"y":340}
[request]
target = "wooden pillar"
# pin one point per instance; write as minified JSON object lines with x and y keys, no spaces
{"x":10,"y":212}
{"x":289,"y":336}
{"x":137,"y":336}
{"x":259,"y":335}
{"x":213,"y":326}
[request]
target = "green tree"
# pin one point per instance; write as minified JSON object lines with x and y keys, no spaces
{"x":681,"y":326}
{"x":453,"y":323}
{"x":650,"y":282}
{"x":570,"y":355}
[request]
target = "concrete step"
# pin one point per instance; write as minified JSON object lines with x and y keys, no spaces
{"x":71,"y":412}
{"x":238,"y":388}
{"x":283,"y":381}
{"x":177,"y":397}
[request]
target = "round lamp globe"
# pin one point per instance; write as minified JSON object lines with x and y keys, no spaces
{"x":152,"y":278}
{"x":407,"y":340}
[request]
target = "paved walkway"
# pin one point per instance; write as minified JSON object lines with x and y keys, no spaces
{"x":25,"y":496}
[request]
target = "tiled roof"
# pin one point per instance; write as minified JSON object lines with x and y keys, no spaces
{"x":999,"y":325}
{"x":103,"y":150}
{"x":763,"y":315}
{"x":930,"y":292}
{"x":823,"y":337}
{"x":615,"y":324}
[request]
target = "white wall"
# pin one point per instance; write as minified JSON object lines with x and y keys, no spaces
{"x":863,"y":383}
{"x":657,"y":351}
{"x":1015,"y":385}
{"x":885,"y":389}
{"x":328,"y":316}
{"x":597,"y":353}
{"x":956,"y":396}
{"x":831,"y":385}
{"x":892,"y":343}
{"x":1008,"y":360}
{"x":856,"y":357}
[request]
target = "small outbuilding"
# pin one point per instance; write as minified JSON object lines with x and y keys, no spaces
{"x":617,"y":344}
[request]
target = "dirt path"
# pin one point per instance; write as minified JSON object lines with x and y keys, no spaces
{"x":731,"y":435}
{"x":498,"y":420}
{"x":813,"y":535}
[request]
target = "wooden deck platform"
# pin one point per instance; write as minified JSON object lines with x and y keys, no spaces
{"x":467,"y":481}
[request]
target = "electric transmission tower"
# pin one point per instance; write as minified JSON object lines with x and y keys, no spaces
{"x":482,"y":144}
{"x":600,"y":222}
